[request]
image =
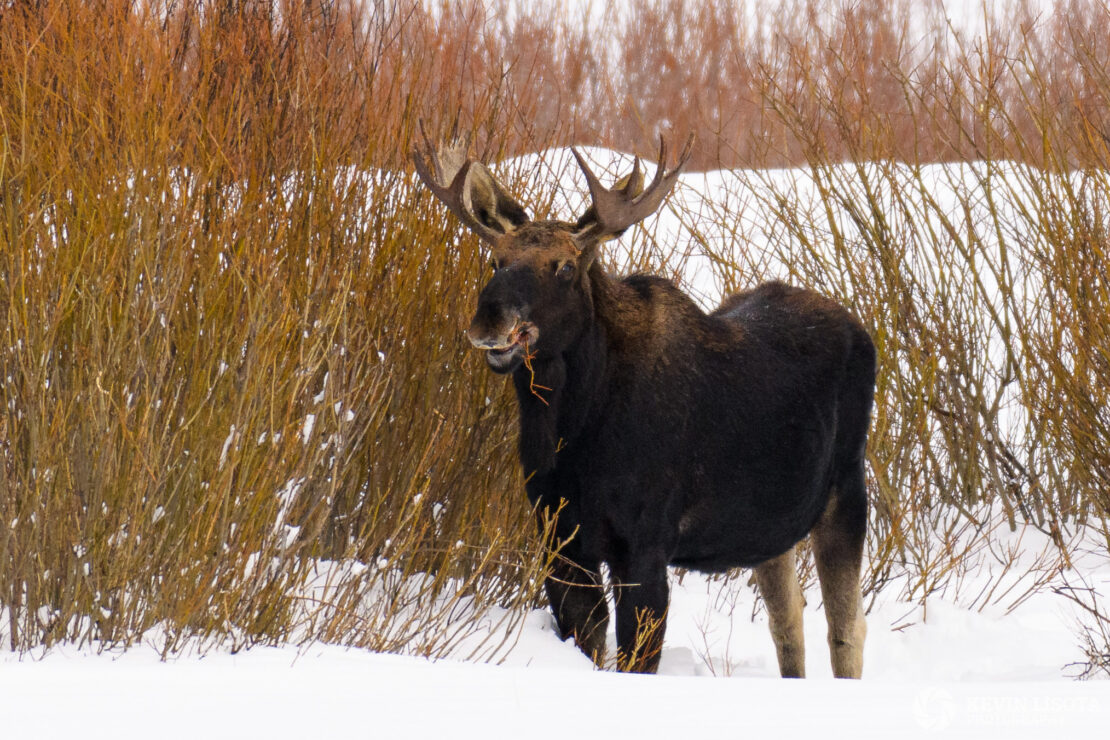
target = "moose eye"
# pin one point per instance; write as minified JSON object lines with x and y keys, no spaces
{"x":565,"y":271}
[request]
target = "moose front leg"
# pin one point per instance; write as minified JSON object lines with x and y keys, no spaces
{"x":641,"y":592}
{"x":574,"y":586}
{"x":578,"y":601}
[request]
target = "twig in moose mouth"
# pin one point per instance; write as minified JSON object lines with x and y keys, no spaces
{"x":532,"y":384}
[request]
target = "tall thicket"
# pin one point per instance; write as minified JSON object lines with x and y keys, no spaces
{"x":230,"y":347}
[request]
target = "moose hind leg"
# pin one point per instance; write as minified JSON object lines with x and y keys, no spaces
{"x":577,"y":599}
{"x":838,"y":553}
{"x":778,"y":584}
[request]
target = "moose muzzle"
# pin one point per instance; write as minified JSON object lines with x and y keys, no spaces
{"x":505,"y":348}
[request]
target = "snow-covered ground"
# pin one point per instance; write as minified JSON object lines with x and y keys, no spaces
{"x":949,"y":673}
{"x":940,"y":668}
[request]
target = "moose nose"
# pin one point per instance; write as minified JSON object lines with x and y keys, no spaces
{"x":487,"y":342}
{"x":484,"y":337}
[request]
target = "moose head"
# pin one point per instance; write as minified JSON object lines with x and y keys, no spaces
{"x":538,"y":298}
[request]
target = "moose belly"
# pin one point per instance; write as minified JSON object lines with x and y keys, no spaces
{"x":742,"y":527}
{"x":719,"y":556}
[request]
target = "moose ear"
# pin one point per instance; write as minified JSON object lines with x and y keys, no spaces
{"x":469,"y":190}
{"x":491,"y":205}
{"x":588,"y":232}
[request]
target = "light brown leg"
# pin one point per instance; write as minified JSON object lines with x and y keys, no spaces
{"x":838,"y":554}
{"x":778,"y":584}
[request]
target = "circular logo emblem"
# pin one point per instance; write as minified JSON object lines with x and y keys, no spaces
{"x":934,"y":709}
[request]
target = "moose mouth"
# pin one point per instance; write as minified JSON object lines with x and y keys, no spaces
{"x":510,"y":352}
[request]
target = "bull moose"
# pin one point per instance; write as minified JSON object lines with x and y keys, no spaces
{"x":665,"y":435}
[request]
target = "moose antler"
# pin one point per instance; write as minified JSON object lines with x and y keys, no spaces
{"x":448,"y":183}
{"x":620,"y":207}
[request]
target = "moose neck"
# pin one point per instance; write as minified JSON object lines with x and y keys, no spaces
{"x":558,"y":395}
